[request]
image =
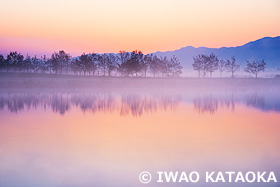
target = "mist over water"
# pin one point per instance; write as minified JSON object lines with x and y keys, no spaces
{"x":105,"y":132}
{"x":137,"y":104}
{"x":139,"y":93}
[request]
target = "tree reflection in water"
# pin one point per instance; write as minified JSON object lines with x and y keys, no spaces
{"x":61,"y":103}
{"x":137,"y":105}
{"x":255,"y":100}
{"x":205,"y":104}
{"x":210,"y":104}
{"x":134,"y":104}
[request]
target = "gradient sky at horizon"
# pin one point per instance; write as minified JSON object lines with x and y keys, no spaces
{"x":44,"y":26}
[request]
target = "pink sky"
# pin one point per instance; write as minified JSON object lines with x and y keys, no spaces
{"x":44,"y":26}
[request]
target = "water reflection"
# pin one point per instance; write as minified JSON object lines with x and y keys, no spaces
{"x":93,"y":103}
{"x":61,"y":103}
{"x":210,"y":104}
{"x":60,"y":143}
{"x":205,"y":104}
{"x":137,"y":104}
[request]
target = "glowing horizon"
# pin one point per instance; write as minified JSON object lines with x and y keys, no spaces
{"x":42,"y":27}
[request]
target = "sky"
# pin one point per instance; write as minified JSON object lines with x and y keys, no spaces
{"x":40,"y":27}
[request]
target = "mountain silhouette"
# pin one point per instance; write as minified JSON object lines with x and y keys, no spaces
{"x":267,"y":48}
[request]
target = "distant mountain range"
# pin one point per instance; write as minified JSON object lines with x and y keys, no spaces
{"x":267,"y":48}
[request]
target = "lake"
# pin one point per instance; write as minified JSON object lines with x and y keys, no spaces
{"x":108,"y":137}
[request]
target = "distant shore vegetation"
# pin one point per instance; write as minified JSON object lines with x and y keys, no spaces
{"x":123,"y":64}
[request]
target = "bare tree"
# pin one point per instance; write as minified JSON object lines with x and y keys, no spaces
{"x":175,"y":67}
{"x":93,"y":63}
{"x":165,"y":66}
{"x":146,"y":63}
{"x":255,"y":67}
{"x":154,"y":65}
{"x":222,"y":67}
{"x":76,"y":66}
{"x":64,"y":60}
{"x":136,"y":61}
{"x":59,"y":61}
{"x":205,"y":64}
{"x":212,"y":63}
{"x":54,"y":62}
{"x":111,"y":63}
{"x":127,"y":63}
{"x":123,"y":58}
{"x":232,"y":66}
{"x":102,"y":63}
{"x":85,"y":63}
{"x":198,"y":63}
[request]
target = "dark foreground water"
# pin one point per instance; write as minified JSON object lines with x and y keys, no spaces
{"x":87,"y":139}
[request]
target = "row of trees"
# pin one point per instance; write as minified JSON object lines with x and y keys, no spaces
{"x":210,"y":63}
{"x":124,"y":63}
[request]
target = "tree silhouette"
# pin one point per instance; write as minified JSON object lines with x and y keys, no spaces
{"x":93,"y":63}
{"x":222,"y":67}
{"x":212,"y":63}
{"x":174,"y":67}
{"x":14,"y":60}
{"x":76,"y":66}
{"x":27,"y":64}
{"x":205,"y":64}
{"x":165,"y":65}
{"x":102,"y":63}
{"x":2,"y":63}
{"x":154,"y":65}
{"x":146,"y":63}
{"x":59,"y":61}
{"x":232,"y":66}
{"x":54,"y":62}
{"x":111,"y":63}
{"x":43,"y":65}
{"x":199,"y":63}
{"x":35,"y":67}
{"x":133,"y":63}
{"x":255,"y":67}
{"x":85,"y":63}
{"x":64,"y":59}
{"x":122,"y":58}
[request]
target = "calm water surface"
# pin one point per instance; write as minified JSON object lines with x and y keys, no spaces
{"x":108,"y":139}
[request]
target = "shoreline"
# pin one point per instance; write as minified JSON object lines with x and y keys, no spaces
{"x":74,"y":82}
